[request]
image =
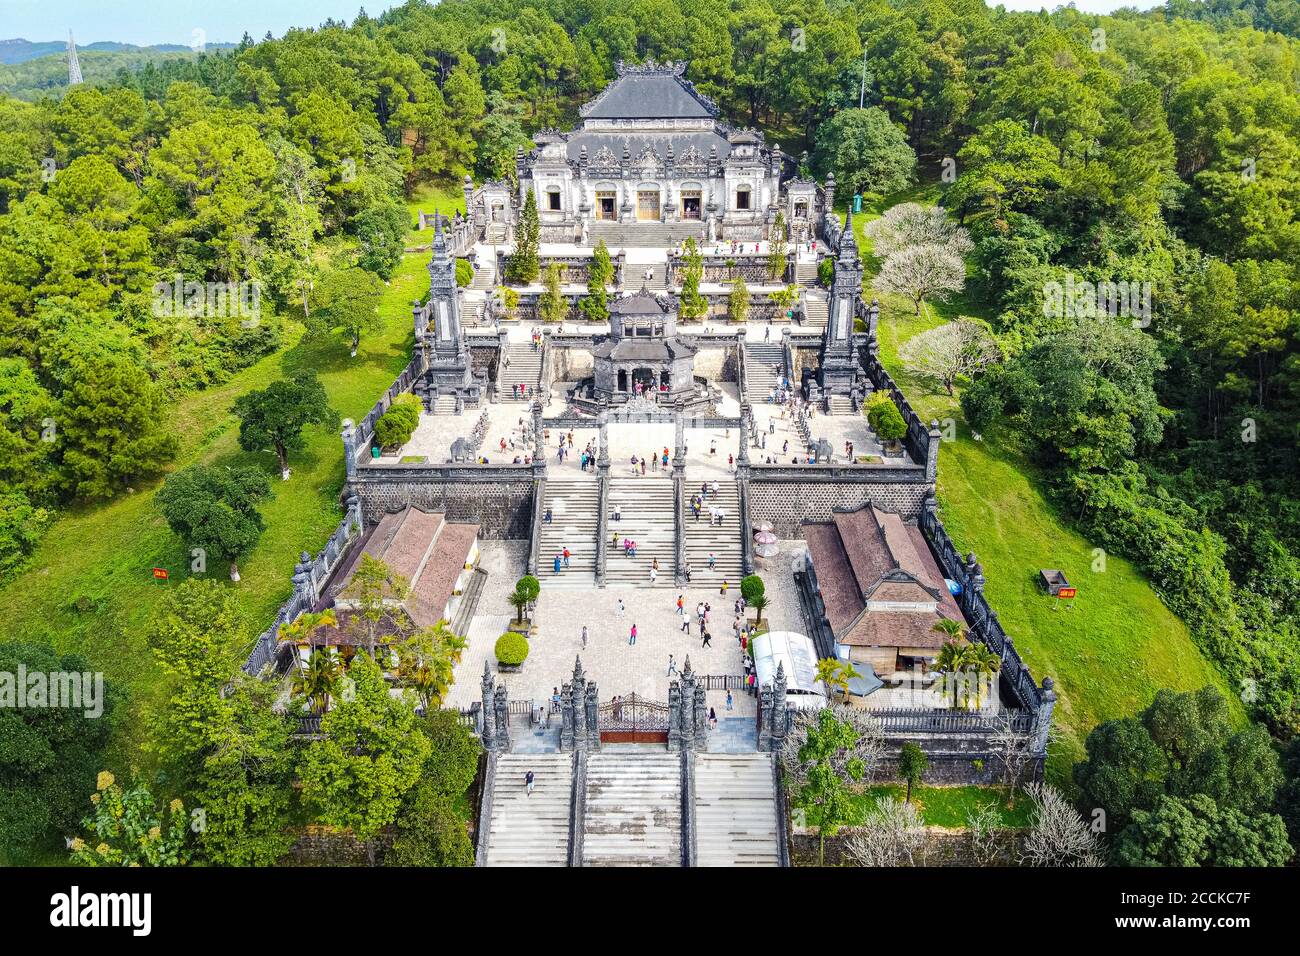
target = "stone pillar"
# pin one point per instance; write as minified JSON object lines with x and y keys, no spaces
{"x":420,"y":316}
{"x":578,"y":699}
{"x":780,"y":708}
{"x":688,"y":706}
{"x":488,"y":714}
{"x":701,"y":719}
{"x":350,"y":448}
{"x":829,"y":192}
{"x":468,"y":187}
{"x":932,"y":454}
{"x":501,"y":707}
{"x":1043,"y":716}
{"x":746,"y":413}
{"x":674,"y":716}
{"x":602,"y":452}
{"x":593,"y":717}
{"x":539,"y":446}
{"x":765,"y":717}
{"x":567,"y":716}
{"x":679,"y":440}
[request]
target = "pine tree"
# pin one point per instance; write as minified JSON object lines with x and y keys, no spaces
{"x":694,"y":305}
{"x":525,"y":266}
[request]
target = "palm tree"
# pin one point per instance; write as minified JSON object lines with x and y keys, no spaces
{"x":304,"y":626}
{"x":952,"y":660}
{"x":318,"y":680}
{"x":836,"y":673}
{"x":981,"y":660}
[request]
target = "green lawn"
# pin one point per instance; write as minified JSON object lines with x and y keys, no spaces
{"x":89,"y":587}
{"x":1118,"y":644}
{"x":940,"y":806}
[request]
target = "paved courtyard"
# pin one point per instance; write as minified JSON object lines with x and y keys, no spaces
{"x":617,"y":667}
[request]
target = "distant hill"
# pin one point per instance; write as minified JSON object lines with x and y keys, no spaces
{"x":20,"y":50}
{"x":30,"y":70}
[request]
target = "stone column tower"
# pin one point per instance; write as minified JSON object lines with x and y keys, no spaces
{"x":839,"y":360}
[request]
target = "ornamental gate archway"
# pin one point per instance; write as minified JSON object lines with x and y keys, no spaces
{"x":633,"y":720}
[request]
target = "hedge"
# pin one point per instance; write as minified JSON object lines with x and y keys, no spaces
{"x":512,"y":648}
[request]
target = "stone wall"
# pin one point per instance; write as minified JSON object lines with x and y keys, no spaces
{"x":503,"y":506}
{"x":787,"y":504}
{"x":323,"y":846}
{"x":573,"y":365}
{"x":716,"y":364}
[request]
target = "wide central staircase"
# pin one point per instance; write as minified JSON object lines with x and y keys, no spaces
{"x":574,"y":504}
{"x":634,"y":809}
{"x":530,"y":830}
{"x":646,"y":507}
{"x":764,"y":369}
{"x":525,"y":368}
{"x":722,"y":541}
{"x":735,"y":810}
{"x":656,"y":234}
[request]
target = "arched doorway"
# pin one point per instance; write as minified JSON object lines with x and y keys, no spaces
{"x":646,"y":378}
{"x":622,"y":380}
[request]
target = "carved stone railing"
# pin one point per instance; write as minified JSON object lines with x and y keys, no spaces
{"x":724,"y":269}
{"x":918,"y":436}
{"x":365,"y":430}
{"x":928,"y":721}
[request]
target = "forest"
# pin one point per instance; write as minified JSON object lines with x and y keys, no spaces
{"x":1160,"y":150}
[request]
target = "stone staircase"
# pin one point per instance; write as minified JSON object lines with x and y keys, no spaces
{"x":485,"y":277}
{"x":530,"y":830}
{"x":634,"y":809}
{"x":647,"y":507}
{"x":805,"y":272}
{"x":764,"y":368}
{"x":816,"y":310}
{"x":444,"y":405}
{"x":735,"y":810}
{"x":840,"y":405}
{"x":722,"y":540}
{"x":525,"y":368}
{"x":655,"y":234}
{"x":574,"y":504}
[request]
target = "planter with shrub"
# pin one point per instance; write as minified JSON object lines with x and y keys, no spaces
{"x":511,"y":651}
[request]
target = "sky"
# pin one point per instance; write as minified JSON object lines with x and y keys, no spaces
{"x":147,"y":22}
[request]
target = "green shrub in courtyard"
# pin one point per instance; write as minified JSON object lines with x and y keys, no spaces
{"x":511,"y":649}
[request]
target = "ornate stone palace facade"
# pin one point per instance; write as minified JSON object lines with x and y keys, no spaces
{"x":652,"y":149}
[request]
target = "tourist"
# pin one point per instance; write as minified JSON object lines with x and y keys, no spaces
{"x":681,"y":607}
{"x":695,"y":506}
{"x":729,"y":700}
{"x":584,"y":637}
{"x":715,"y":487}
{"x":654,"y":462}
{"x":631,"y":636}
{"x":686,"y":626}
{"x":642,"y":467}
{"x":672,"y":666}
{"x":528,"y":783}
{"x":723,"y":590}
{"x":503,"y":446}
{"x":713,"y":719}
{"x":785,"y":447}
{"x":557,"y":562}
{"x":713,"y":446}
{"x":713,"y":561}
{"x":687,"y":572}
{"x":547,"y":516}
{"x":620,"y":607}
{"x":566,"y":557}
{"x":731,"y":464}
{"x":708,"y":638}
{"x":654,"y":573}
{"x":618,"y":512}
{"x":665,"y":459}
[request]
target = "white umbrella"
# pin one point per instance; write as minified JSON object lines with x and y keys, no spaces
{"x":767,"y":550}
{"x":763,"y":526}
{"x":765,"y":538}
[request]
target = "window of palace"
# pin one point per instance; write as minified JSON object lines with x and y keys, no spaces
{"x":553,"y":199}
{"x":742,"y":198}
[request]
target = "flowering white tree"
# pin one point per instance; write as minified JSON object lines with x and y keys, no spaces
{"x":890,"y":835}
{"x":926,"y":271}
{"x":1059,"y":836}
{"x":949,"y":351}
{"x":911,"y":224}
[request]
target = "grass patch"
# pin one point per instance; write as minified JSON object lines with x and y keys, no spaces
{"x":1119,"y":644}
{"x":939,"y":806}
{"x":89,"y":588}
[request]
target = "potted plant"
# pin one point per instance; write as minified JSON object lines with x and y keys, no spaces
{"x":511,"y":652}
{"x":525,"y":593}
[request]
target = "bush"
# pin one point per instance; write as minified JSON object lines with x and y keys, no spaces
{"x":512,"y":649}
{"x":464,"y":273}
{"x":826,"y":271}
{"x":884,"y":417}
{"x":752,"y":588}
{"x":398,"y":424}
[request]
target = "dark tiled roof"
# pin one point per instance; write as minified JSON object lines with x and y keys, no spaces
{"x":873,"y":553}
{"x":637,"y":95}
{"x":638,"y":303}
